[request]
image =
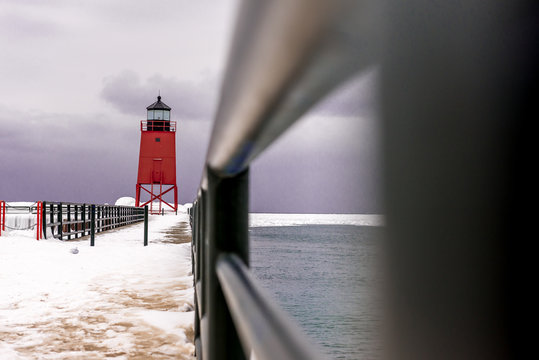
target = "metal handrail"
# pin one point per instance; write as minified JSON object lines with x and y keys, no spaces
{"x":32,"y":209}
{"x":74,"y":220}
{"x":262,"y":326}
{"x":458,"y":96}
{"x":68,"y":221}
{"x":286,"y":56}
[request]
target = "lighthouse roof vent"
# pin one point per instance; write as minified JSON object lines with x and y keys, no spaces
{"x":158,"y":105}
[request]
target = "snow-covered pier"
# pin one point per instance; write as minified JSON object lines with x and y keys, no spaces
{"x":118,"y":299}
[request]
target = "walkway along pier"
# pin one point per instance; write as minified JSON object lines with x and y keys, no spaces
{"x":118,"y":299}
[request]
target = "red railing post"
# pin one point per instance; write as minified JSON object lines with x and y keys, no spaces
{"x":39,"y":233}
{"x":2,"y":216}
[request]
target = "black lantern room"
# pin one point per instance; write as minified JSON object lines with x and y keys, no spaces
{"x":158,"y":116}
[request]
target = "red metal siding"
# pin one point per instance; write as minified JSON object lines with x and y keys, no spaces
{"x":163,"y":150}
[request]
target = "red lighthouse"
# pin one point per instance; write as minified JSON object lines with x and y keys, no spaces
{"x":157,"y":158}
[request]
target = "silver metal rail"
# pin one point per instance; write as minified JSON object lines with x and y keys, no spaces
{"x":285,"y":57}
{"x":260,"y":324}
{"x":458,"y":92}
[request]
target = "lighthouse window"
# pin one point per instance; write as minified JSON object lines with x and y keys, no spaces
{"x":157,"y":139}
{"x":158,"y":114}
{"x":150,"y":114}
{"x":167,"y":115}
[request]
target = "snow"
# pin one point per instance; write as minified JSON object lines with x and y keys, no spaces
{"x":118,"y":299}
{"x":125,"y":201}
{"x":129,"y":201}
{"x":183,"y":208}
{"x":265,"y":219}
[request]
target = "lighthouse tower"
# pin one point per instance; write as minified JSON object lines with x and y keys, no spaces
{"x":157,"y":158}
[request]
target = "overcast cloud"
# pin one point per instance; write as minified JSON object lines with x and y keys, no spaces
{"x":75,"y":80}
{"x":189,"y":100}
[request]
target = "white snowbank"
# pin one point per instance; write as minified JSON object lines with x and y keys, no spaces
{"x":265,"y":219}
{"x":182,"y":209}
{"x":188,"y":205}
{"x":125,"y":201}
{"x":118,"y":299}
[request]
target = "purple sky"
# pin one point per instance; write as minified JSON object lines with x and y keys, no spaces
{"x":75,"y":81}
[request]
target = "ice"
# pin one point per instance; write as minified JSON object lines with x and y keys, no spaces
{"x":19,"y":217}
{"x":267,"y":219}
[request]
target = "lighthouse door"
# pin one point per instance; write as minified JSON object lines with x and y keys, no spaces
{"x":157,"y":172}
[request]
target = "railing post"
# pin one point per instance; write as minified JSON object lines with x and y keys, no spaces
{"x":197,"y":214}
{"x":2,"y":216}
{"x":77,"y":207}
{"x":51,"y":218}
{"x":60,"y":220}
{"x":98,"y":224}
{"x":44,"y":218}
{"x":226,"y":231}
{"x":146,"y":225}
{"x":39,"y":218}
{"x":201,"y":243}
{"x":92,"y":226}
{"x":68,"y":221}
{"x":83,"y":217}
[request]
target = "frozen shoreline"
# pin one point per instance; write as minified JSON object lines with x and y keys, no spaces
{"x":275,"y":219}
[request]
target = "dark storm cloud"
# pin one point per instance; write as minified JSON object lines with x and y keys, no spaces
{"x":65,"y":157}
{"x":126,"y":92}
{"x":93,"y":158}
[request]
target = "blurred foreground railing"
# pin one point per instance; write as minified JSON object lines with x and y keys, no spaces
{"x":458,"y":93}
{"x":286,"y":56}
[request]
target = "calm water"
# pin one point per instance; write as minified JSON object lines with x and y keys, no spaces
{"x":323,"y":276}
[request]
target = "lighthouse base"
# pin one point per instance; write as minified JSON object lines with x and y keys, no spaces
{"x":157,"y":204}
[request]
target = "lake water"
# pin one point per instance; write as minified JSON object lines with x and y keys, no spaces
{"x":324,"y":277}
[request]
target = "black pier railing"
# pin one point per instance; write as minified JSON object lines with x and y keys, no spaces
{"x":272,"y":79}
{"x":457,"y":90}
{"x":66,"y":221}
